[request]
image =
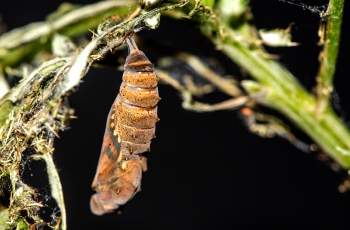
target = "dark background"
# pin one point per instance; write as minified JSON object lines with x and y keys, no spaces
{"x":205,"y":170}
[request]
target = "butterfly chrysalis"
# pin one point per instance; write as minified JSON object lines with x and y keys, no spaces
{"x":129,"y":130}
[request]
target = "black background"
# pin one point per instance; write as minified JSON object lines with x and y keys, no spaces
{"x":205,"y":170}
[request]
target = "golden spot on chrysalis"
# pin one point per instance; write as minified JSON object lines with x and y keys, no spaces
{"x":111,"y":125}
{"x":119,"y":140}
{"x":120,"y":157}
{"x":124,"y":165}
{"x":112,"y":116}
{"x":118,"y":191}
{"x":115,"y":132}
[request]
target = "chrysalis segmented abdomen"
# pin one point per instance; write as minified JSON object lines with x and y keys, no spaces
{"x":130,"y":128}
{"x":136,"y":103}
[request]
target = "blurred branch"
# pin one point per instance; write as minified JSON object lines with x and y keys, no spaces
{"x":276,"y":87}
{"x":234,"y":103}
{"x":225,"y":85}
{"x":27,"y":41}
{"x":189,"y":88}
{"x":163,"y":76}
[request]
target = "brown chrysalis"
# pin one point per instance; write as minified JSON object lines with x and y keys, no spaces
{"x":129,"y":130}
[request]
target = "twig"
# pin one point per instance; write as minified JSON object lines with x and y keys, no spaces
{"x":201,"y":107}
{"x":225,"y":85}
{"x":196,"y":90}
{"x":163,"y":76}
{"x":196,"y":106}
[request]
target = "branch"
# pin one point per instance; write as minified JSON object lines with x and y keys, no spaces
{"x":233,"y":103}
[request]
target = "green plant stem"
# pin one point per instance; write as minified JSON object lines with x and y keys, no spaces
{"x":329,"y":55}
{"x":277,"y":88}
